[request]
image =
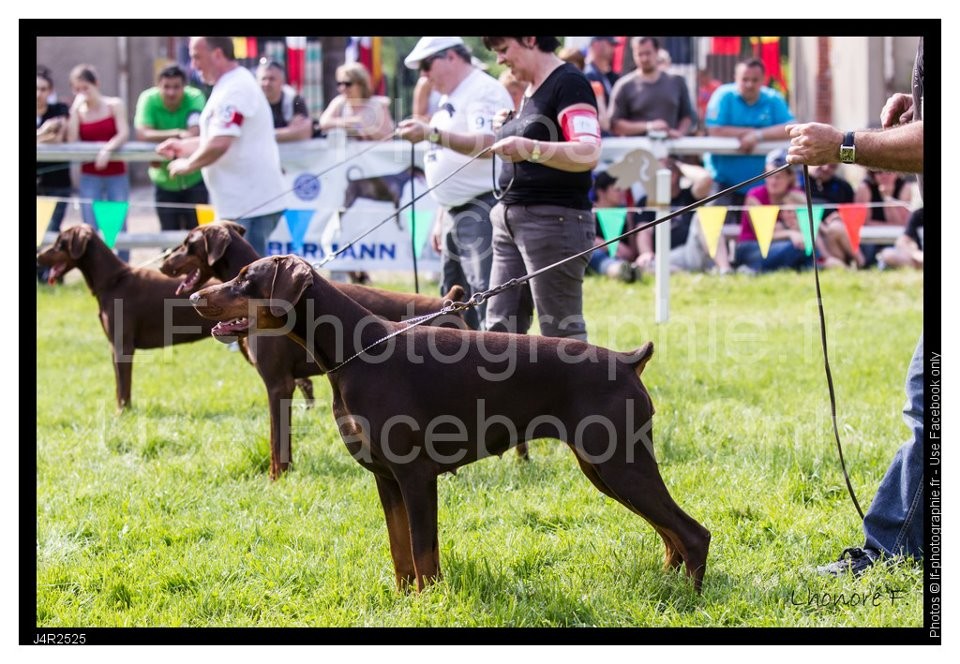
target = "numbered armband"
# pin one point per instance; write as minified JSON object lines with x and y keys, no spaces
{"x":580,"y":125}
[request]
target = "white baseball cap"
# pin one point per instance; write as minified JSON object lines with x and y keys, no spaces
{"x":427,"y":46}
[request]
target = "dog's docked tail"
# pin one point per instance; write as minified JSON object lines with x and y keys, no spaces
{"x":638,"y":360}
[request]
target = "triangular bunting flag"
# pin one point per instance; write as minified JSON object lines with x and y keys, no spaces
{"x":421,"y":223}
{"x":853,"y":216}
{"x":297,"y":222}
{"x":239,"y":47}
{"x":764,"y":218}
{"x":110,"y":216}
{"x":805,"y":225}
{"x":711,"y":223}
{"x":611,"y":221}
{"x":205,"y":214}
{"x":45,"y":208}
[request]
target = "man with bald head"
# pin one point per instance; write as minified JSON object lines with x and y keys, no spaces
{"x":236,"y":150}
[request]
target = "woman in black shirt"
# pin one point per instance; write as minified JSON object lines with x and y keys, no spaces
{"x":549,"y":150}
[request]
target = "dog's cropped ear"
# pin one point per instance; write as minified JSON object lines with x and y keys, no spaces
{"x":216,"y":239}
{"x":78,"y":241}
{"x":291,"y":277}
{"x":235,"y":227}
{"x":642,"y":355}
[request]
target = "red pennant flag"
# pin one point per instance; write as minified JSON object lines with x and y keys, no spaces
{"x":767,"y":49}
{"x":296,"y":51}
{"x":725,"y":46}
{"x":853,"y":216}
{"x":618,"y":50}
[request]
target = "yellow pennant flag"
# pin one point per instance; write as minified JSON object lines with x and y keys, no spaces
{"x":711,"y":223}
{"x":45,"y":208}
{"x":764,"y":218}
{"x":239,"y":47}
{"x":205,"y":214}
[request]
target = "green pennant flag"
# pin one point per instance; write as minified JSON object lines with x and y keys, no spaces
{"x":612,"y":221}
{"x":805,"y":225}
{"x":110,"y":216}
{"x":421,"y":223}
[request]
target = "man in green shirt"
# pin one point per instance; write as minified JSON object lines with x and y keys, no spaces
{"x":172,"y":109}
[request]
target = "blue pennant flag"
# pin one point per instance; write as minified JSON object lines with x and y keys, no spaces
{"x":297,"y":222}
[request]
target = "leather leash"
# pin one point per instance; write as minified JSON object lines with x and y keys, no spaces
{"x":823,"y":343}
{"x":413,"y":217}
{"x":478,"y":298}
{"x":316,"y":176}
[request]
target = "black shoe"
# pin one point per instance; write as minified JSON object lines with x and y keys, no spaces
{"x":855,"y":560}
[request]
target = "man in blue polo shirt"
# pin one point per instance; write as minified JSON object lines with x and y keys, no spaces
{"x":751,"y":112}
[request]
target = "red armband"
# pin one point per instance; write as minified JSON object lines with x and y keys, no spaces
{"x":229,"y":115}
{"x":580,"y":125}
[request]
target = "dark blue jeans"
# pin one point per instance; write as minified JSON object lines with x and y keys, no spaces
{"x":259,"y":229}
{"x":894,"y":522}
{"x":782,"y":254}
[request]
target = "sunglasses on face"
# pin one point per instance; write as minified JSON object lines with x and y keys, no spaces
{"x":344,"y":84}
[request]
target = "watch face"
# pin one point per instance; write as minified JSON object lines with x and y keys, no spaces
{"x":847,"y":154}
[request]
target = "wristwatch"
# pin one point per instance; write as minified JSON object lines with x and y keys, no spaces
{"x":434,"y":135}
{"x":848,"y":150}
{"x":535,"y":155}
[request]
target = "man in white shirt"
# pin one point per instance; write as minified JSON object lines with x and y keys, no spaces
{"x":236,"y":149}
{"x":460,"y":128}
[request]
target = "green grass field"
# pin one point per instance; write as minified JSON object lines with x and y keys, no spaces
{"x":164,"y":515}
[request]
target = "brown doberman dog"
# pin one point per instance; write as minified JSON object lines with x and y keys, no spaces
{"x":138,"y":308}
{"x":218,"y":250}
{"x":404,"y":405}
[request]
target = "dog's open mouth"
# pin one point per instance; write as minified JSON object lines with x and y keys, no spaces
{"x":229,"y":331}
{"x":56,"y":271}
{"x":189,"y":283}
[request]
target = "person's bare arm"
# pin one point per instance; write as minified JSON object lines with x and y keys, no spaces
{"x":330,"y":118}
{"x":572,"y":156}
{"x":421,"y":99}
{"x":624,"y":127}
{"x":415,"y":130}
{"x":119,"y":111}
{"x":700,"y":179}
{"x":300,"y":128}
{"x":899,"y":148}
{"x":152,"y":135}
{"x":208,"y":153}
{"x":749,"y":136}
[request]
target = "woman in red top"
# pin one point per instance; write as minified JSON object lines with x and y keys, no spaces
{"x":786,"y":248}
{"x":98,"y":118}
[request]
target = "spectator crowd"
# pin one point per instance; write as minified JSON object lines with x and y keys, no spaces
{"x":206,"y":155}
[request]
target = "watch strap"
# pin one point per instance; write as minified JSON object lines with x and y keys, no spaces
{"x":848,"y":148}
